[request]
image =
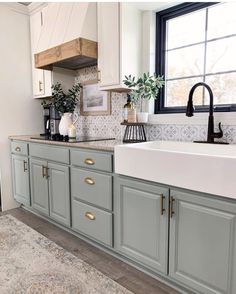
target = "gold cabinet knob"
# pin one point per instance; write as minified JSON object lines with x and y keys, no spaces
{"x":89,"y":181}
{"x":17,"y":149}
{"x":89,"y":161}
{"x":90,"y":216}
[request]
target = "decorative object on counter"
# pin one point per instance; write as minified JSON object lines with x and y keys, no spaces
{"x":132,"y":115}
{"x":143,"y":88}
{"x":65,"y":104}
{"x":127,"y":106}
{"x":93,"y":101}
{"x":134,"y":133}
{"x":72,"y":132}
{"x":129,"y":112}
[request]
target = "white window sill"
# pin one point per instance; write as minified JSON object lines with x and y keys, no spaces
{"x":226,"y":118}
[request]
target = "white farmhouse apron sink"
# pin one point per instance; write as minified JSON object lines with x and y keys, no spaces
{"x":209,"y":168}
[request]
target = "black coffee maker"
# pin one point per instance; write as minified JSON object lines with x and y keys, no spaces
{"x":46,"y":120}
{"x":51,"y":119}
{"x":54,"y":121}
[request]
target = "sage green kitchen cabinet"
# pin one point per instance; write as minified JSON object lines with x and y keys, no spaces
{"x":59,"y":192}
{"x":141,"y":222}
{"x":39,"y":185}
{"x":50,"y":189}
{"x":203,"y":242}
{"x":20,"y":174}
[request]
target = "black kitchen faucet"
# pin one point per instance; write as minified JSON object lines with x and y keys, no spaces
{"x":211,"y":135}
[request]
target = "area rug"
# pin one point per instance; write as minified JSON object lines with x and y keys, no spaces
{"x":32,"y":264}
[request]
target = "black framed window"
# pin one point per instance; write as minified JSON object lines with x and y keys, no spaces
{"x":196,"y":42}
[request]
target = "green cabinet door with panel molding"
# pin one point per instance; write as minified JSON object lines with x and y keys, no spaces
{"x":141,"y":222}
{"x":20,"y":176}
{"x":59,"y":193}
{"x":39,"y":185}
{"x":203,"y":242}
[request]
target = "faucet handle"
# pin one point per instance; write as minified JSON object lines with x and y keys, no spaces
{"x":220,"y":133}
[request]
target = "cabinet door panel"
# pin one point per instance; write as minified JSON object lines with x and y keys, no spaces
{"x":202,"y":243}
{"x":59,"y":193}
{"x":141,"y":231}
{"x":61,"y":23}
{"x":49,"y":13}
{"x":20,"y":171}
{"x":109,"y":43}
{"x":39,"y":186}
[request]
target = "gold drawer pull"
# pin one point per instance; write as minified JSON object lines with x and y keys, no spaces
{"x":89,"y":215}
{"x":89,"y":161}
{"x":17,"y":149}
{"x":89,"y":181}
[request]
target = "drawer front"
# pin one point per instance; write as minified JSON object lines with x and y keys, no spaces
{"x":52,"y":153}
{"x":93,"y":222}
{"x":20,"y":148}
{"x":92,"y":187}
{"x":93,"y":160}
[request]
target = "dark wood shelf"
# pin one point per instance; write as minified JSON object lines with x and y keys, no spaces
{"x":133,"y":124}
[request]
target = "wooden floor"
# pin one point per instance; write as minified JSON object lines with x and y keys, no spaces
{"x":127,"y":276}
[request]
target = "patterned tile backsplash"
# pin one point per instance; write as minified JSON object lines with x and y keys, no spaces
{"x":109,"y":126}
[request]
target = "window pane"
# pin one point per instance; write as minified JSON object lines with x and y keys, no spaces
{"x":221,"y":55}
{"x":185,"y":62}
{"x":187,"y":29}
{"x":177,"y":92}
{"x":221,"y":20}
{"x":223,"y":87}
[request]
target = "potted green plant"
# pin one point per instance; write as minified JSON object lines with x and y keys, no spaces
{"x":65,"y":104}
{"x":143,"y":88}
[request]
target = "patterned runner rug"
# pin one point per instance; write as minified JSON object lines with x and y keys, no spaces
{"x":32,"y":264}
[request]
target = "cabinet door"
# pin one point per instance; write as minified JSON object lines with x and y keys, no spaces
{"x":141,"y":224}
{"x":59,"y":193}
{"x":203,"y":243}
{"x":20,"y":173}
{"x":109,"y":44}
{"x":38,"y":74}
{"x":41,"y":78}
{"x":39,"y":185}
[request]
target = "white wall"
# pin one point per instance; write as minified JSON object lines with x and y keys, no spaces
{"x":19,"y":113}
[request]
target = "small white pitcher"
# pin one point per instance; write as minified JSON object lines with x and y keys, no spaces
{"x":66,"y":121}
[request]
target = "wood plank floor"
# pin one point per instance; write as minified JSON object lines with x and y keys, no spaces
{"x":127,"y":276}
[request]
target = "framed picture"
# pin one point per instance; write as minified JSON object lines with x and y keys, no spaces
{"x":93,"y":101}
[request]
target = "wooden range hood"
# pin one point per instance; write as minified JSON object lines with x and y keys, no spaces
{"x":74,"y":54}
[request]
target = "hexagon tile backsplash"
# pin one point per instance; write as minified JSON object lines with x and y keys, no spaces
{"x":109,"y":125}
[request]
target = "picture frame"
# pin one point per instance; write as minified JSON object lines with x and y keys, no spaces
{"x":93,"y":101}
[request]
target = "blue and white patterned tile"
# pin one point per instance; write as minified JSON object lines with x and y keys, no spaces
{"x":109,"y":125}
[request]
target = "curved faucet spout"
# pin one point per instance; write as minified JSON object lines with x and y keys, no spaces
{"x":190,"y":110}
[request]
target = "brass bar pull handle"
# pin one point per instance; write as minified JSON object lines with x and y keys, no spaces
{"x":90,"y":216}
{"x":47,"y":173}
{"x":25,"y":166}
{"x":89,"y":181}
{"x":99,"y":76}
{"x":43,"y":171}
{"x":162,"y":204}
{"x":172,"y":200}
{"x":89,"y":161}
{"x":18,"y":149}
{"x":40,"y":86}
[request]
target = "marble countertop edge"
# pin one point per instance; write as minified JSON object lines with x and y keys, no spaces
{"x":103,"y":145}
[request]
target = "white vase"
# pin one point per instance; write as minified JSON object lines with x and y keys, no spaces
{"x":65,"y":123}
{"x":142,"y":117}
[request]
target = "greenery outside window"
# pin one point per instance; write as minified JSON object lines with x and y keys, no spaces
{"x":196,"y":42}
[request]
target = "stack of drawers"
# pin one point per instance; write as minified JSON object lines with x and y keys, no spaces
{"x":91,"y":194}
